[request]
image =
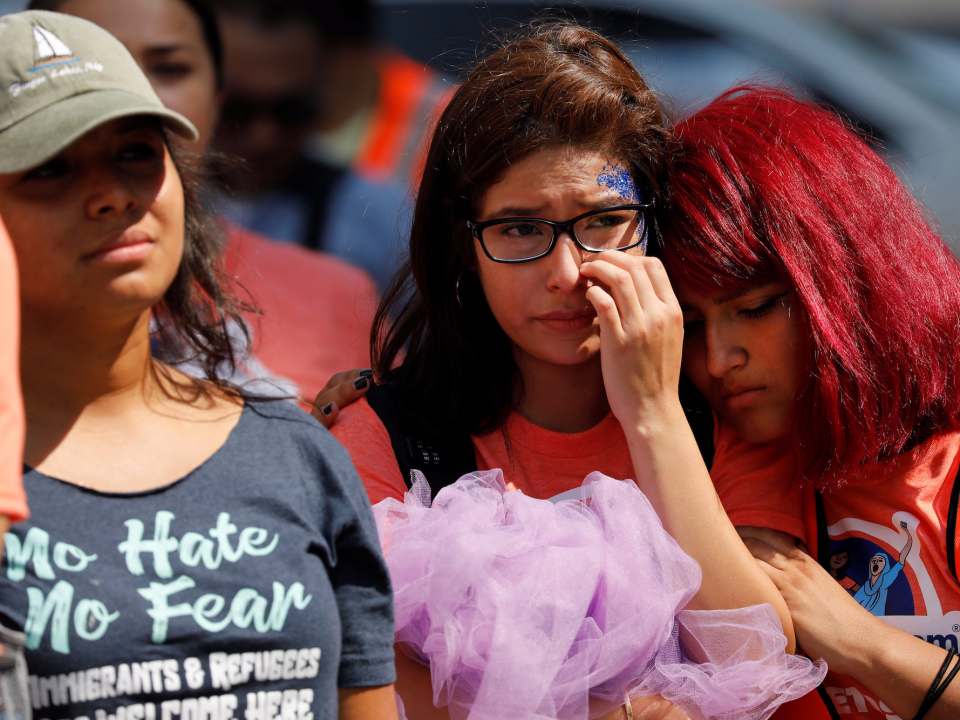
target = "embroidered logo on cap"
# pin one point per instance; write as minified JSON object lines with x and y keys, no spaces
{"x":51,"y":50}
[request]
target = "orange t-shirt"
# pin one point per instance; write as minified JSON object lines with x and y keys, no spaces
{"x":541,"y":463}
{"x":13,"y":501}
{"x":889,"y":510}
{"x":755,"y":482}
{"x":316,"y":310}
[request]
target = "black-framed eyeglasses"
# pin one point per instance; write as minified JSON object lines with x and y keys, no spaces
{"x":522,"y":239}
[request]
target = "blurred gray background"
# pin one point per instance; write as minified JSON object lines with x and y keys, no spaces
{"x":892,"y":67}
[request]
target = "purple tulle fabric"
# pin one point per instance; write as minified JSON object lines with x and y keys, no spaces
{"x":529,"y":610}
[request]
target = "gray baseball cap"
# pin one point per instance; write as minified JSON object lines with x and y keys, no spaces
{"x":61,"y":77}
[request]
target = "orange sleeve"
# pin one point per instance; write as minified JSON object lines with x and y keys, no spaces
{"x":359,"y":430}
{"x":13,"y":500}
{"x":756,"y":483}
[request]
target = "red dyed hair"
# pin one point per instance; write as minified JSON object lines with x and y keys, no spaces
{"x":770,"y":187}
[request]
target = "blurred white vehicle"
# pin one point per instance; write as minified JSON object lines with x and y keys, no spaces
{"x":902,"y":88}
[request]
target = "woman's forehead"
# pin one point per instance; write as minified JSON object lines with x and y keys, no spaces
{"x":549,"y":174}
{"x":141,"y":24}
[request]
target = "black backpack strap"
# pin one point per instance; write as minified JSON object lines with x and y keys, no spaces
{"x":823,"y":557}
{"x":699,"y":416}
{"x":443,"y":458}
{"x":383,"y":405}
{"x":952,"y":527}
{"x":828,"y":702}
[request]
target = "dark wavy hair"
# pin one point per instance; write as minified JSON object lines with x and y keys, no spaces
{"x":191,"y":321}
{"x":766,"y":187}
{"x":555,"y":84}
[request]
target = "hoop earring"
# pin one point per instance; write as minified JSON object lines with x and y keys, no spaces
{"x":456,"y":292}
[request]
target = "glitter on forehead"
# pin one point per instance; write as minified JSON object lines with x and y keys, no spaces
{"x":619,"y":180}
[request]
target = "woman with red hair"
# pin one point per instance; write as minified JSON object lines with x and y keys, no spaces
{"x":822,"y":316}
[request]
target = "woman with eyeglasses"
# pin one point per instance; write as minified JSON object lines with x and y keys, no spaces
{"x":529,"y":333}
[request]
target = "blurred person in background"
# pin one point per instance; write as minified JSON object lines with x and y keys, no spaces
{"x":279,"y":72}
{"x":378,"y":105}
{"x":315,"y":310}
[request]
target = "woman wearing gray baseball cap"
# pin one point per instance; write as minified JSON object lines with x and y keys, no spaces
{"x":192,"y":550}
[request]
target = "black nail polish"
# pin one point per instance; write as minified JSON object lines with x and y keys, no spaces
{"x":327,"y":409}
{"x":366,"y":373}
{"x":360,"y":383}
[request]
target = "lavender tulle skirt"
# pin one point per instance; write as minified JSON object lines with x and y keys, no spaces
{"x":528,"y":609}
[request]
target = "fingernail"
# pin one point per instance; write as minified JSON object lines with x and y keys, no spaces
{"x":360,"y":383}
{"x":366,"y":373}
{"x":327,"y":409}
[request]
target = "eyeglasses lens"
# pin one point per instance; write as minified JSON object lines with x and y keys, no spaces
{"x":610,"y":230}
{"x":517,"y":240}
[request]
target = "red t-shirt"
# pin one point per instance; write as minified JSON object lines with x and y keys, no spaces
{"x":893,"y":509}
{"x":541,"y":463}
{"x":13,"y":501}
{"x":316,"y":310}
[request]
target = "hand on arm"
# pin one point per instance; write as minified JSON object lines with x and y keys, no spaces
{"x":641,"y":338}
{"x":340,"y":390}
{"x":830,"y":624}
